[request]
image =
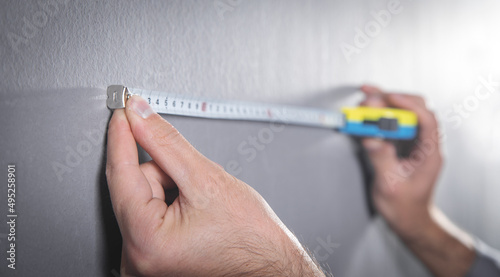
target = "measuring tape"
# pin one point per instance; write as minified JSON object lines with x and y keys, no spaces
{"x":384,"y":123}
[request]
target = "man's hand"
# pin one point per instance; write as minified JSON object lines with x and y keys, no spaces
{"x":216,"y":226}
{"x":403,"y":190}
{"x":403,"y":187}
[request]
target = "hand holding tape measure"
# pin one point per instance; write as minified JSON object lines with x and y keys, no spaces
{"x":386,"y":123}
{"x":181,"y":214}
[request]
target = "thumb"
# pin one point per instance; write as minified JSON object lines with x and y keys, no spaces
{"x":168,"y":148}
{"x":383,"y":157}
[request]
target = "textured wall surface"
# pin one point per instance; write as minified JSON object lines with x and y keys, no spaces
{"x":280,"y":51}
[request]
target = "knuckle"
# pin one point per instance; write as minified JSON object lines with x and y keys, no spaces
{"x":219,"y":178}
{"x":219,"y":182}
{"x":166,"y":135}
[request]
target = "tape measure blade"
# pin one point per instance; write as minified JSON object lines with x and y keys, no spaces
{"x":176,"y":104}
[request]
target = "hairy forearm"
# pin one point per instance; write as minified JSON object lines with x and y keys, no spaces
{"x":283,"y":256}
{"x":443,"y":248}
{"x":292,"y":261}
{"x":305,"y":265}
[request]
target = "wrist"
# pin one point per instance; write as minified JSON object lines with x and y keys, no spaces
{"x":428,"y":233}
{"x":441,"y":250}
{"x":415,"y":226}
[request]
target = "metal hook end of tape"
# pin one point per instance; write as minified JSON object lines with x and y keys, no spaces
{"x":117,"y":96}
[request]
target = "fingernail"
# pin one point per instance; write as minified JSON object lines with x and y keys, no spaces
{"x":373,"y":144}
{"x":140,"y":106}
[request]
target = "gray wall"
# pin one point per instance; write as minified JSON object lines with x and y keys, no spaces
{"x":277,"y":51}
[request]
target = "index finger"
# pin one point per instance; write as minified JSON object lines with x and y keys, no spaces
{"x":168,"y":148}
{"x":374,"y":97}
{"x":128,"y":187}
